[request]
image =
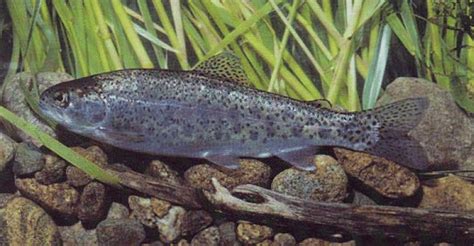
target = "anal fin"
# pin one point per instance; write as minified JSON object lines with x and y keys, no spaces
{"x":301,"y":158}
{"x":230,"y":162}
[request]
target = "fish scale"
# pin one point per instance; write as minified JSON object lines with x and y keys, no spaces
{"x":191,"y":114}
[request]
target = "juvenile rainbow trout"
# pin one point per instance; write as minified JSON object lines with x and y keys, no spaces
{"x":190,"y":114}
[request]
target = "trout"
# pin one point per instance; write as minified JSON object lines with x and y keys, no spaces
{"x":206,"y":114}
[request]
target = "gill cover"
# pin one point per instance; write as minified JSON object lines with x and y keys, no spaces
{"x":73,"y":107}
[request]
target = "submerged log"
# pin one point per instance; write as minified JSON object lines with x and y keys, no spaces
{"x":177,"y":194}
{"x":281,"y":209}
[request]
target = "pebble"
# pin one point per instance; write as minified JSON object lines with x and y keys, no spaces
{"x":160,"y":170}
{"x":169,"y":226}
{"x":148,"y":210}
{"x":120,"y":232}
{"x":7,"y":153}
{"x":209,"y":237}
{"x":194,"y":221}
{"x":156,"y":213}
{"x":14,"y":100}
{"x":283,"y":239}
{"x":327,"y":183}
{"x":448,"y":193}
{"x":22,"y":222}
{"x":249,"y":233}
{"x":117,"y":211}
{"x":28,"y":159}
{"x":383,"y":176}
{"x":77,"y":235}
{"x":93,"y":203}
{"x":54,"y":170}
{"x":446,"y":132}
{"x":250,"y":172}
{"x":77,"y":177}
{"x":228,"y":234}
{"x":58,"y":198}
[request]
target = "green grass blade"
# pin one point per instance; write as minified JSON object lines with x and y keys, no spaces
{"x":58,"y":148}
{"x":373,"y":83}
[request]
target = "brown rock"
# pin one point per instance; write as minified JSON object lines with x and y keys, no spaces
{"x":182,"y":242}
{"x":209,"y":236}
{"x":163,"y":172}
{"x":53,"y":171}
{"x":77,"y":235}
{"x":120,"y":232}
{"x":228,"y":234}
{"x":7,"y":152}
{"x":194,"y":221}
{"x":93,"y":203}
{"x":384,"y":176}
{"x":160,"y":207}
{"x":249,"y":233}
{"x":250,"y":172}
{"x":327,"y":183}
{"x":284,"y":239}
{"x":148,"y":210}
{"x":59,"y":198}
{"x":448,"y":193}
{"x":266,"y":242}
{"x":22,"y":222}
{"x":117,"y":211}
{"x":446,"y":133}
{"x":78,"y":178}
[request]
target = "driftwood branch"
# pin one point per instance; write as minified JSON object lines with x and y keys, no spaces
{"x":177,"y":194}
{"x":361,"y":220}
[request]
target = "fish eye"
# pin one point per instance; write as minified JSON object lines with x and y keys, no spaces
{"x":61,"y":99}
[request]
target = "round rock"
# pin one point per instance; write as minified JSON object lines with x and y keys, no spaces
{"x":93,"y":203}
{"x":59,"y":198}
{"x":249,"y":172}
{"x":54,"y":170}
{"x":249,"y":233}
{"x":160,"y":170}
{"x":7,"y":152}
{"x":194,"y":221}
{"x":327,"y":183}
{"x":120,"y":232}
{"x":448,"y":193}
{"x":22,"y":222}
{"x":446,"y":133}
{"x":209,"y":236}
{"x":28,"y":159}
{"x":14,"y":100}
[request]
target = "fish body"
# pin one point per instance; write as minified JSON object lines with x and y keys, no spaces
{"x":179,"y":113}
{"x":188,"y":114}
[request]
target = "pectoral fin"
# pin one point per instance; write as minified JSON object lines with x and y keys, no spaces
{"x":231,"y":162}
{"x":225,"y":65}
{"x":301,"y":158}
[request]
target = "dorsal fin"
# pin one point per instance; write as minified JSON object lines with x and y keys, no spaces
{"x":320,"y":103}
{"x":225,"y":65}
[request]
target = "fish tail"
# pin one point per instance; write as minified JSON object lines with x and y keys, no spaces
{"x":392,"y":123}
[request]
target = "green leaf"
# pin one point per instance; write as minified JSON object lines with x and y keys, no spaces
{"x":373,"y":83}
{"x":58,"y":148}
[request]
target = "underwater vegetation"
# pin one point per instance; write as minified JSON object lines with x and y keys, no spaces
{"x":341,"y":51}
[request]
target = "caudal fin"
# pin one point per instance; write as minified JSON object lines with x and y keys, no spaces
{"x":394,"y":121}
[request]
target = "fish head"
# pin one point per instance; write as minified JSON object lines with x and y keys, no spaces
{"x":75,"y":106}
